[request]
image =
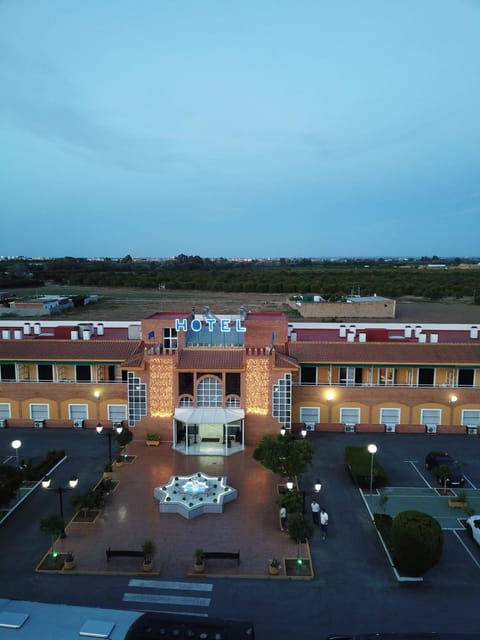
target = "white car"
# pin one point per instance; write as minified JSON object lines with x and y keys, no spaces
{"x":473,"y":526}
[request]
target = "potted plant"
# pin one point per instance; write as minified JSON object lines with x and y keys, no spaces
{"x":69,"y":562}
{"x":274,"y":567}
{"x":199,"y":564}
{"x":459,"y":501}
{"x":148,"y":548}
{"x":152,"y":439}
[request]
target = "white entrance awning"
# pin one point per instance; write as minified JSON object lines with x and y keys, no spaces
{"x":212,"y":415}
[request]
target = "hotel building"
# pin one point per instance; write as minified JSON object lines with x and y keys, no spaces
{"x":213,"y":384}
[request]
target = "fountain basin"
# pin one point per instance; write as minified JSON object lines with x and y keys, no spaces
{"x":194,"y":495}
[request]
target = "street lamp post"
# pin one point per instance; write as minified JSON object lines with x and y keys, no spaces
{"x":372,"y":450}
{"x":99,"y":429}
{"x":72,"y":483}
{"x":16,"y":444}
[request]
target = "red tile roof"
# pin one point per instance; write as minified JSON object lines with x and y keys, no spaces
{"x":69,"y":350}
{"x":211,"y":359}
{"x":385,"y":353}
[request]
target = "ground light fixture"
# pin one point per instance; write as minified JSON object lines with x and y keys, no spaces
{"x":289,"y":484}
{"x":372,"y":450}
{"x":317,"y":486}
{"x":16,"y":444}
{"x":72,"y":483}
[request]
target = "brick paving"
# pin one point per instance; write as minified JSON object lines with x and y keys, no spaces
{"x":249,"y":524}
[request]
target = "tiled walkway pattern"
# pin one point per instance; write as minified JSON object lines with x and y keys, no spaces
{"x":249,"y":524}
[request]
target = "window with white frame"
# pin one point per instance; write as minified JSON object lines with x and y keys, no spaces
{"x":40,"y":411}
{"x":310,"y":416}
{"x":389,"y":416}
{"x":209,"y":392}
{"x":349,"y":415}
{"x":78,"y":412}
{"x":5,"y":410}
{"x":471,"y":417}
{"x":282,"y":401}
{"x":233,"y":402}
{"x":431,"y":417}
{"x":117,"y":412}
{"x":185,"y":401}
{"x":137,"y":398}
{"x":170,"y":339}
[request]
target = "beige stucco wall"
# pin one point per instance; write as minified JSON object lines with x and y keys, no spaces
{"x":374,"y":309}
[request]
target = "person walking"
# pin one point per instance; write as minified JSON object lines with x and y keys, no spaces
{"x":315,"y":507}
{"x":283,"y":518}
{"x":323,"y":523}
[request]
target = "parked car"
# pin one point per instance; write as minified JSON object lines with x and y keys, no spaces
{"x":435,"y":460}
{"x":473,"y":528}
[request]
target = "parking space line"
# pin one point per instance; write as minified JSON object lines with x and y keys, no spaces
{"x":414,"y":465}
{"x":470,"y":482}
{"x":474,"y":560}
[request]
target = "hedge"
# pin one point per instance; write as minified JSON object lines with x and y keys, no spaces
{"x":359,"y":461}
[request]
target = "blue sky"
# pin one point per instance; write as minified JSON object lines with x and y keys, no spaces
{"x":274,"y":128}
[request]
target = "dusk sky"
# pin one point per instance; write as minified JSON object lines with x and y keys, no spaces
{"x":258,"y":128}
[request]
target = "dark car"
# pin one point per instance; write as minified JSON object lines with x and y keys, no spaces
{"x":437,"y":461}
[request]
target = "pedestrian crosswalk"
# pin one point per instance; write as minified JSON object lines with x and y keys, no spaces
{"x":165,"y":596}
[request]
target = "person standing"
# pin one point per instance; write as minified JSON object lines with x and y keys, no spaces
{"x":315,"y":507}
{"x":323,"y":523}
{"x":283,"y":518}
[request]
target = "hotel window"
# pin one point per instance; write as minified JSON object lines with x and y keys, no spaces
{"x":45,"y":372}
{"x":308,"y":375}
{"x":39,"y":411}
{"x":310,"y":416}
{"x":185,"y":401}
{"x":78,"y":411}
{"x":471,"y":417}
{"x":4,"y":411}
{"x":282,"y":401}
{"x":431,"y":417}
{"x":233,"y":402}
{"x":466,"y":377}
{"x":117,"y":412}
{"x":232,"y":384}
{"x":137,"y":399}
{"x":83,"y":373}
{"x":209,"y":392}
{"x":426,"y":376}
{"x":7,"y":372}
{"x":349,"y":416}
{"x":170,"y":338}
{"x":350,"y":376}
{"x":389,"y":417}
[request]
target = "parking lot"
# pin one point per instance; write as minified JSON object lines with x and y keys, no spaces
{"x":410,"y":486}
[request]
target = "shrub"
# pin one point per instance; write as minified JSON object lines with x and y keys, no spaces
{"x":359,"y":461}
{"x":299,"y":528}
{"x":38,"y":471}
{"x":417,"y":542}
{"x":292,"y":501}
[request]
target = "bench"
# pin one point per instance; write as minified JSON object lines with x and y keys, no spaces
{"x":221,"y":555}
{"x":123,"y":553}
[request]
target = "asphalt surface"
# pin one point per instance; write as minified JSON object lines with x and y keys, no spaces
{"x":354,"y":589}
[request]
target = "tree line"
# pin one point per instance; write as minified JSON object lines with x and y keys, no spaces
{"x":331,"y":280}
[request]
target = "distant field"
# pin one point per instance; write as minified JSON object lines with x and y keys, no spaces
{"x":135,"y":304}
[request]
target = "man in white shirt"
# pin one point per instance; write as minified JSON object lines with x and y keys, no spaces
{"x":323,"y":523}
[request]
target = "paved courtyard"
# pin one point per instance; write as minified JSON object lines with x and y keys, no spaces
{"x":249,"y":524}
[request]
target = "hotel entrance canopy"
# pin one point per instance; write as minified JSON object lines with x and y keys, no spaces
{"x":211,"y":415}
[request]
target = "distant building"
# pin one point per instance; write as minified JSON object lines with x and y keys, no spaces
{"x":40,"y":306}
{"x":356,"y":306}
